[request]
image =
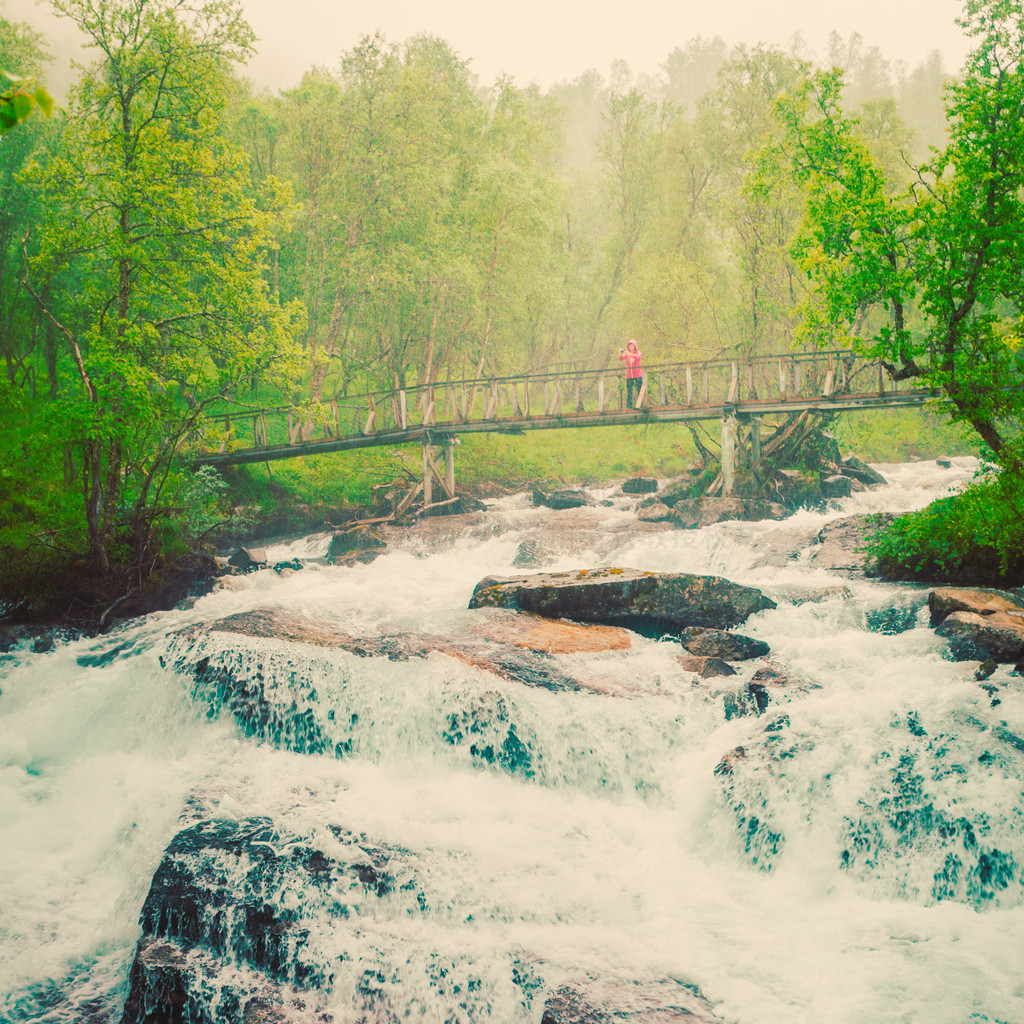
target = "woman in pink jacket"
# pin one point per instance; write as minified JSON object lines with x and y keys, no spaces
{"x":631,"y":356}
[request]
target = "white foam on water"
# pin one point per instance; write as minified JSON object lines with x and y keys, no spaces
{"x":610,"y":846}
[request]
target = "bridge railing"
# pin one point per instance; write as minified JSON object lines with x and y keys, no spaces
{"x":564,"y":395}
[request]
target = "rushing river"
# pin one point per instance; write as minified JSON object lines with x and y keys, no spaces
{"x":863,"y":865}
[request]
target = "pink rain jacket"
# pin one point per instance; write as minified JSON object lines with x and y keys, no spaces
{"x":632,"y":360}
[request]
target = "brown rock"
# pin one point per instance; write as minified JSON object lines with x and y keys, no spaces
{"x":729,"y":760}
{"x":719,"y":643}
{"x":770,"y":680}
{"x":974,"y":637}
{"x":694,"y":513}
{"x":517,"y":663}
{"x":554,"y":636}
{"x":706,"y":668}
{"x":840,"y":544}
{"x":654,"y":512}
{"x":355,"y":539}
{"x":944,"y":601}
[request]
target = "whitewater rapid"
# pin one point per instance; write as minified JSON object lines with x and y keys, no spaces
{"x":618,"y":851}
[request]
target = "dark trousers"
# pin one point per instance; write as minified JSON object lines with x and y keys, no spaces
{"x":632,"y":390}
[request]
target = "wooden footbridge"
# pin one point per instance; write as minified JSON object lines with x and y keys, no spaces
{"x":737,"y":392}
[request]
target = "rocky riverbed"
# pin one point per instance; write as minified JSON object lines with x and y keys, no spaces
{"x":527,"y":764}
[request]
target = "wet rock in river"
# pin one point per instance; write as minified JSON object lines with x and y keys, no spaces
{"x":695,"y":513}
{"x":355,"y":540}
{"x":486,"y":727}
{"x":770,"y":681}
{"x":219,"y":942}
{"x":704,"y":667}
{"x":533,"y":554}
{"x":719,"y":643}
{"x":647,"y":602}
{"x":525,"y":661}
{"x":628,"y":1001}
{"x":980,"y":624}
{"x":812,"y":595}
{"x":640,"y":485}
{"x":977,"y":637}
{"x":653,"y":512}
{"x":836,"y":486}
{"x":980,"y":601}
{"x":554,"y":636}
{"x":859,"y":470}
{"x":840,"y":543}
{"x":562,"y":499}
{"x":248,"y":559}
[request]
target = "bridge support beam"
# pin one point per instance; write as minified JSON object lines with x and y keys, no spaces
{"x":433,"y":472}
{"x":730,"y":432}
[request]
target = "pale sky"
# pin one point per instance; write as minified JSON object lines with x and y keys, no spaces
{"x":554,"y":40}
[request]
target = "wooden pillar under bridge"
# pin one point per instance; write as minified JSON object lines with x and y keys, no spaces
{"x":434,"y":474}
{"x":754,"y":440}
{"x":729,"y":436}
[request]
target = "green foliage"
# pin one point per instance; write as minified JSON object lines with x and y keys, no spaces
{"x":928,"y":275}
{"x":973,"y":537}
{"x":150,"y":260}
{"x":18,"y":98}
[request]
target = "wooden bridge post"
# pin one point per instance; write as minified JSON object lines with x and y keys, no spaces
{"x":729,"y":432}
{"x":428,"y":475}
{"x":449,"y":466}
{"x":432,"y":472}
{"x":754,"y":437}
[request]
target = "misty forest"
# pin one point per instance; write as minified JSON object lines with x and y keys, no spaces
{"x":173,"y":239}
{"x":682,"y":685}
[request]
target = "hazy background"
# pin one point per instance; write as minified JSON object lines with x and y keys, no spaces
{"x":554,"y":40}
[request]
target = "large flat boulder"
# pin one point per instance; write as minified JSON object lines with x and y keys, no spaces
{"x":651,"y":603}
{"x":524,"y":662}
{"x":553,"y":636}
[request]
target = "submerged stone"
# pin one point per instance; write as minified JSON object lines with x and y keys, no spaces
{"x":604,"y":1000}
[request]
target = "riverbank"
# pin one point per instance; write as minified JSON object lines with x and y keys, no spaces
{"x":257,"y":505}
